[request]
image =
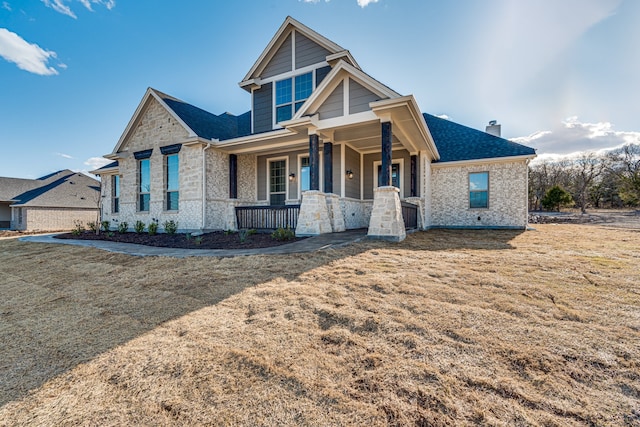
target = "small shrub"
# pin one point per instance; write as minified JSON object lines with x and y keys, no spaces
{"x":187,"y":236}
{"x":93,"y":226}
{"x":110,"y":234}
{"x":198,"y":240}
{"x":105,"y":225}
{"x":227,"y":232}
{"x":283,"y":234}
{"x":139,"y":226}
{"x":170,"y":227}
{"x":123,"y":227}
{"x":243,"y":235}
{"x":78,"y":228}
{"x":153,"y":228}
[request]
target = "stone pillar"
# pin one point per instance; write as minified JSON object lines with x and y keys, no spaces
{"x":328,"y":167}
{"x":336,"y":217}
{"x":414,"y":176}
{"x":386,"y":221}
{"x":233,"y":176}
{"x":314,"y":162}
{"x":387,"y":140}
{"x":314,"y":215}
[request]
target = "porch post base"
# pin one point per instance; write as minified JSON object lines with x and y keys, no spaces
{"x":314,"y":215}
{"x":336,"y":216}
{"x":386,"y":221}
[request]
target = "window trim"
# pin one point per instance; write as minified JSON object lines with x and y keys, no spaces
{"x":292,"y":76}
{"x":140,"y":192}
{"x":268,"y":177}
{"x":399,"y":161}
{"x":166,"y":182}
{"x":478,"y":191}
{"x":115,"y":195}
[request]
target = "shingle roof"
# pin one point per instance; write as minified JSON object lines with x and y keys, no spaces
{"x":11,"y":187}
{"x":207,"y":125}
{"x":62,"y":189}
{"x":108,"y":166}
{"x":456,"y":142}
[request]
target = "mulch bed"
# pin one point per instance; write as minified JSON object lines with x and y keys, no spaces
{"x":215,"y":240}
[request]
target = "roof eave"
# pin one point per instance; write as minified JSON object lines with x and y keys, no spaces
{"x":503,"y":159}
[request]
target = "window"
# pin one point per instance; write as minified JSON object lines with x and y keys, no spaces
{"x":115,"y":194}
{"x":291,"y":94}
{"x":277,"y":182}
{"x":305,"y":174}
{"x":479,"y":190}
{"x":395,"y":175}
{"x":172,"y":182}
{"x":144,"y":189}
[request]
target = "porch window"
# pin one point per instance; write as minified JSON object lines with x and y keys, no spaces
{"x":277,"y":182}
{"x":115,"y":194}
{"x":171,"y":179}
{"x":395,"y":175}
{"x":144,"y":188}
{"x":291,"y":94}
{"x":479,"y":190}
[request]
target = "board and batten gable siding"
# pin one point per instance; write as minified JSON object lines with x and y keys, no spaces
{"x":333,"y":106}
{"x":352,"y":162}
{"x":368,"y":174}
{"x":281,"y":60}
{"x":308,"y":52}
{"x":263,"y":109}
{"x":360,"y":97}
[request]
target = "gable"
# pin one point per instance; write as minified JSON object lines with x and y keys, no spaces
{"x":360,"y":97}
{"x":308,"y":52}
{"x":281,"y":61}
{"x":333,"y":106}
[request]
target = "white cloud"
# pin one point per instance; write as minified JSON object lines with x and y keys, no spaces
{"x":443,"y":116}
{"x":6,"y":5}
{"x":96,"y":162}
{"x":573,"y":137}
{"x":365,"y":3}
{"x":27,"y":56}
{"x":60,"y":7}
{"x":66,"y":156}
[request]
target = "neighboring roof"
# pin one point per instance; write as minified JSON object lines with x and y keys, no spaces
{"x":64,"y":189}
{"x":456,"y":142}
{"x":11,"y":187}
{"x":207,"y":125}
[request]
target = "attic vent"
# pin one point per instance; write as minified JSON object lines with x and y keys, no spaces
{"x":71,"y":182}
{"x":81,"y":198}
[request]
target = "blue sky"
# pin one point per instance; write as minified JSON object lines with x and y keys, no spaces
{"x":559,"y":75}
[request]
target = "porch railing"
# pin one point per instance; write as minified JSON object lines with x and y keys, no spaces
{"x":409,"y":215}
{"x":267,"y":217}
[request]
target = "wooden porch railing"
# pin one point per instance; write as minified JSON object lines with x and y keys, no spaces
{"x":267,"y":217}
{"x":409,"y":215}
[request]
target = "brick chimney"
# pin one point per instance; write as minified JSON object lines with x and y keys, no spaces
{"x":493,"y":128}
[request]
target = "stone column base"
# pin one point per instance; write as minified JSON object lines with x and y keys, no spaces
{"x":336,"y":217}
{"x":386,"y":221}
{"x":314,"y":215}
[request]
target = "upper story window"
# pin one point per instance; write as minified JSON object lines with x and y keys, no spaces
{"x":115,"y":194}
{"x":291,"y":94}
{"x":479,"y":190}
{"x":172,"y":182}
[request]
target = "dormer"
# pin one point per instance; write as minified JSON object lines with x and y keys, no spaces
{"x":293,"y":64}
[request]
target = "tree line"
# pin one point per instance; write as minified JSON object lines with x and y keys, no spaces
{"x":590,"y":180}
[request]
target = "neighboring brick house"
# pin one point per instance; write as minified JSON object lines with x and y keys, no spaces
{"x":325,"y":147}
{"x":50,"y":203}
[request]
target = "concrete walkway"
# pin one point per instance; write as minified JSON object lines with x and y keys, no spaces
{"x":311,"y":244}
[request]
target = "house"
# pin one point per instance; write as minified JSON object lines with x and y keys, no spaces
{"x":50,"y":203}
{"x":324,"y":148}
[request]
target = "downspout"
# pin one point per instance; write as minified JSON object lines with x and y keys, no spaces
{"x":204,"y":185}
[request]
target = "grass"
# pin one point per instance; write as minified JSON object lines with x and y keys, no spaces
{"x":445,"y":328}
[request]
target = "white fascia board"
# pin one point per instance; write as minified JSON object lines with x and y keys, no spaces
{"x":275,"y":42}
{"x":344,"y":55}
{"x":108,"y":171}
{"x":253,"y":138}
{"x":471,"y":162}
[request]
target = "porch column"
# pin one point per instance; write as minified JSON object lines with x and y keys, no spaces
{"x":414,"y":176}
{"x":314,"y":162}
{"x":385,"y":173}
{"x":328,"y":167}
{"x":233,"y":176}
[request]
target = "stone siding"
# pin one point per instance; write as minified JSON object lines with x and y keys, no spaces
{"x":157,"y":128}
{"x":507,"y":196}
{"x":357,"y":213}
{"x":54,"y":219}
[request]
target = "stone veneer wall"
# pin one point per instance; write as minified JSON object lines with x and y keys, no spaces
{"x":55,"y":219}
{"x":156,"y":128}
{"x":357,"y":213}
{"x":507,"y":196}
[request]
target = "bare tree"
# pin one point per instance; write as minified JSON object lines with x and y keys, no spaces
{"x":626,"y":165}
{"x":585,"y":171}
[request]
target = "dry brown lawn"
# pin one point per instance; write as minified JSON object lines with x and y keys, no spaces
{"x":445,"y":328}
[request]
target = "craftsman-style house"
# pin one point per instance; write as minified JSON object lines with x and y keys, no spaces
{"x":324,"y":148}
